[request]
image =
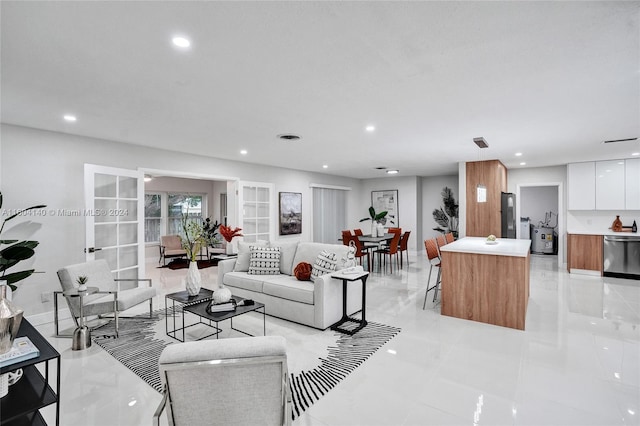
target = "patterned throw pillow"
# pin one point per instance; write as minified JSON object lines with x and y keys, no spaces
{"x":264,"y":260}
{"x":325,"y":263}
{"x":303,"y":271}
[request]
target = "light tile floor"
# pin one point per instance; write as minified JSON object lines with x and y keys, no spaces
{"x":577,"y":363}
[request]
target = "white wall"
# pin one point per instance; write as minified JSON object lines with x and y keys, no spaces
{"x":41,"y":167}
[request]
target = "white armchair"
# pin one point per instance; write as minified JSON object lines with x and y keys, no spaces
{"x":238,"y":381}
{"x":114,"y":296}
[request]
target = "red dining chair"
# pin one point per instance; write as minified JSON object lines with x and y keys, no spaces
{"x":360,"y":253}
{"x":449,"y":238}
{"x":391,"y":250}
{"x":358,"y":232}
{"x":345,"y":235}
{"x":404,"y":243}
{"x":434,"y":259}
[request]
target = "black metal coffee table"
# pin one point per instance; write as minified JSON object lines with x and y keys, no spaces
{"x":200,"y":309}
{"x":183,"y":299}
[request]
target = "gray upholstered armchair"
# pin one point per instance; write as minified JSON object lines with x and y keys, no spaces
{"x":115,"y":295}
{"x":237,"y":381}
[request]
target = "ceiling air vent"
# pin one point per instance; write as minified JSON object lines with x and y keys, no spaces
{"x":621,"y":140}
{"x":289,"y":137}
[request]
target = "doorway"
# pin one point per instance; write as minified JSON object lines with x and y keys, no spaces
{"x":543,"y":204}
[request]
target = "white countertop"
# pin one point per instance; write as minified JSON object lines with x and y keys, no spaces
{"x":478,"y":245}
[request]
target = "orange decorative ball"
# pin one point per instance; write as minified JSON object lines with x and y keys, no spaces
{"x":302,"y":271}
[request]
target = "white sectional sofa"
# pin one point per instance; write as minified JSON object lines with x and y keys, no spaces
{"x":315,"y":303}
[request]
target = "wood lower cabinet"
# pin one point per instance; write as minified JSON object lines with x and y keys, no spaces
{"x":584,"y":253}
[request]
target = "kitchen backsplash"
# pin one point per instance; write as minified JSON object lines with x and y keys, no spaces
{"x":598,"y":222}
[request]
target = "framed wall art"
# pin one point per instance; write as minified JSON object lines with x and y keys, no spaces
{"x":290,"y":216}
{"x":387,"y":201}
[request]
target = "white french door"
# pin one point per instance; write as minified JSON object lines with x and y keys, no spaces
{"x":114,"y":211}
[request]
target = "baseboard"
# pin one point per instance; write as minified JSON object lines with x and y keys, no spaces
{"x":47,"y":317}
{"x":584,"y":272}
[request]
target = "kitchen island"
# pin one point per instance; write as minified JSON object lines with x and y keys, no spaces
{"x":486,"y":282}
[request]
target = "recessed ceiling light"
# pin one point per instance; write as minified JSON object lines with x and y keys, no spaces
{"x":392,"y":172}
{"x":370,"y":128}
{"x":70,"y":118}
{"x":181,"y":42}
{"x":523,"y":164}
{"x":518,"y":154}
{"x":325,"y":166}
{"x":243,"y":151}
{"x":635,"y":153}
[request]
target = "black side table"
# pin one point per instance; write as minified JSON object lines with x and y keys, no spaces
{"x":21,"y":406}
{"x":347,"y":278}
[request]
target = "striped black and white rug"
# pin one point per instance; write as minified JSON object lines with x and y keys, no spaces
{"x":318,"y":360}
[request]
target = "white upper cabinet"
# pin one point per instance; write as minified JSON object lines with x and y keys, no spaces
{"x":581,"y":182}
{"x":610,"y":186}
{"x":632,"y":184}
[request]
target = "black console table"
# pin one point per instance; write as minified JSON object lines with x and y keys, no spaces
{"x":32,"y":392}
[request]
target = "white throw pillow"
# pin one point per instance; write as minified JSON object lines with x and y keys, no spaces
{"x":244,"y":254}
{"x":325,"y":263}
{"x":264,"y":260}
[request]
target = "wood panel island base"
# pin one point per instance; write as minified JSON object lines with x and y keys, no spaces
{"x":486,"y":283}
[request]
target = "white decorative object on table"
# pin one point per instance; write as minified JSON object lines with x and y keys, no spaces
{"x":374,"y":229}
{"x":82,"y":283}
{"x":221,"y":295}
{"x":491,"y":239}
{"x":350,"y":260}
{"x":193,"y":281}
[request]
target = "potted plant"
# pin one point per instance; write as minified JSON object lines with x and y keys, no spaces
{"x":379,"y":218}
{"x":447,"y":216}
{"x":16,"y":252}
{"x":82,"y":282}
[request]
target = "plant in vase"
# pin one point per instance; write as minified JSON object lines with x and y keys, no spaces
{"x":447,"y":216}
{"x":229,"y":233}
{"x":378,"y":220}
{"x":193,"y":240}
{"x":17,"y":251}
{"x":82,"y":282}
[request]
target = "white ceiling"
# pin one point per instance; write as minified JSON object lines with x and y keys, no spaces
{"x":549,"y":79}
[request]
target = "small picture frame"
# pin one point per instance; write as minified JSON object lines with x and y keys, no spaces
{"x":290,"y":215}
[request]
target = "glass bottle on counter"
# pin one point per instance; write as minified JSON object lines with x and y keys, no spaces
{"x":634,"y":227}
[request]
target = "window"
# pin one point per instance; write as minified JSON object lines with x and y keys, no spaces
{"x":152,"y":217}
{"x":163,"y":213}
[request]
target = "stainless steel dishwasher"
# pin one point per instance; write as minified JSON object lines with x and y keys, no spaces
{"x":622,"y":256}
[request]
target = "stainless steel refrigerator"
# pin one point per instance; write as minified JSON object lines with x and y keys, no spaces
{"x":508,"y":213}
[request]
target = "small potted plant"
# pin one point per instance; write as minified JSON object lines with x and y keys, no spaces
{"x":82,"y":282}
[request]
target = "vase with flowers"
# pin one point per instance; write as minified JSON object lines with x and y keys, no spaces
{"x":228,"y":233}
{"x":193,"y":240}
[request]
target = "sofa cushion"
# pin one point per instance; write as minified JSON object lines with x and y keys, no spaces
{"x":243,"y":280}
{"x":264,"y":260}
{"x":308,"y":252}
{"x":287,"y":253}
{"x":325,"y":263}
{"x":244,"y":254}
{"x":287,"y":287}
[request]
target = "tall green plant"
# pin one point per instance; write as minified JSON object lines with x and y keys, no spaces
{"x":447,"y":216}
{"x":16,"y":251}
